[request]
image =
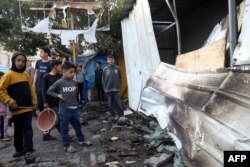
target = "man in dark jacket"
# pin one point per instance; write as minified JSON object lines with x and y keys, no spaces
{"x":112,"y":79}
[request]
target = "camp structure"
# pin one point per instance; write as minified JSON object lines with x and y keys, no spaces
{"x":187,"y":65}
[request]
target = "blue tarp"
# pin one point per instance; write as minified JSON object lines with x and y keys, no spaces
{"x":90,"y":68}
{"x":4,"y":68}
{"x":90,"y":71}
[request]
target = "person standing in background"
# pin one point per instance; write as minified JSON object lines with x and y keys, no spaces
{"x":3,"y":119}
{"x":98,"y":82}
{"x":31,"y":70}
{"x":79,"y":79}
{"x":49,"y":101}
{"x":42,"y":67}
{"x":112,"y":79}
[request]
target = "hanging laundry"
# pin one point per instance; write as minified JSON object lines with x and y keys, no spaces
{"x":41,"y":27}
{"x":67,"y":35}
{"x":89,"y":35}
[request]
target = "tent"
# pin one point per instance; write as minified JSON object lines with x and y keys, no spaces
{"x":4,"y":68}
{"x":89,"y":62}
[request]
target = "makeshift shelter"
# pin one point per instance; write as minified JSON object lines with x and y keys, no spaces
{"x":88,"y":63}
{"x":203,"y":105}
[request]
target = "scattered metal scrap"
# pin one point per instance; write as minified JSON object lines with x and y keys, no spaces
{"x":133,"y":141}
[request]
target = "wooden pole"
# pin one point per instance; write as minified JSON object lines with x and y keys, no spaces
{"x":74,"y":52}
{"x":73,"y":42}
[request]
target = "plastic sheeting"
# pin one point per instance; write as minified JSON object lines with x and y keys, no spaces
{"x":217,"y":34}
{"x":41,"y":27}
{"x":90,"y":68}
{"x":140,"y":50}
{"x":4,"y":68}
{"x":67,"y":35}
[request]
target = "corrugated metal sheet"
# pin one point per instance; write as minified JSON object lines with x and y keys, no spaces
{"x":208,"y":111}
{"x":140,"y":50}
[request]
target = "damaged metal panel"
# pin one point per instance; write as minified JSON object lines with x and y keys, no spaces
{"x":140,"y":50}
{"x":207,"y":112}
{"x":241,"y":54}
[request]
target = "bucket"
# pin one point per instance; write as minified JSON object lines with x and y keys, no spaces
{"x":47,"y":120}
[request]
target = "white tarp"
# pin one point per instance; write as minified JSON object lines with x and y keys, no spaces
{"x":67,"y":35}
{"x":41,"y":27}
{"x":217,"y":34}
{"x":140,"y":50}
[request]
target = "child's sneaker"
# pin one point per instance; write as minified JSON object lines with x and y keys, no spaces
{"x":29,"y":158}
{"x":18,"y":154}
{"x":70,"y":149}
{"x":85,"y":143}
{"x":6,"y":139}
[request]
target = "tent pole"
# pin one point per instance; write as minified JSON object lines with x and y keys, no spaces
{"x":232,"y":28}
{"x":174,"y":14}
{"x":74,"y":41}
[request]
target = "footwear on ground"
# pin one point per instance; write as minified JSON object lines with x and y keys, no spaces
{"x":70,"y":149}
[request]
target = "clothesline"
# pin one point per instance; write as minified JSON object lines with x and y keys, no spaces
{"x":66,"y":35}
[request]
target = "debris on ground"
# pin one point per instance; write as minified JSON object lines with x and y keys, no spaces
{"x":133,"y":140}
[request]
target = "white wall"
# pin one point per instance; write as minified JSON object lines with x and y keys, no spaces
{"x":140,"y":50}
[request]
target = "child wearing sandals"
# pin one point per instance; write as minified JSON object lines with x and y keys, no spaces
{"x":66,"y":90}
{"x":3,"y":119}
{"x":17,"y":91}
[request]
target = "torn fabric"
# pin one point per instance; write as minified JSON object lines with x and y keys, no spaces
{"x":67,"y":35}
{"x":41,"y":27}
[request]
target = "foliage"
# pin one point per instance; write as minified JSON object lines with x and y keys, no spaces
{"x":13,"y":38}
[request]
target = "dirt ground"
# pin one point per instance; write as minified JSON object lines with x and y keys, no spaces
{"x":123,"y":143}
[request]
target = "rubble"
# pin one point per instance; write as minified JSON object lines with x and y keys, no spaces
{"x":157,"y":161}
{"x":101,"y":158}
{"x":128,"y":147}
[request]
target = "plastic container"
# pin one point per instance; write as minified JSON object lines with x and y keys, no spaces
{"x":47,"y":120}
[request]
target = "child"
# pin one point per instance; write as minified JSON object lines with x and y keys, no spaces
{"x":80,"y":79}
{"x":3,"y":119}
{"x":17,"y":91}
{"x":49,"y":101}
{"x":66,"y":90}
{"x":111,"y":79}
{"x":42,"y":67}
{"x":98,"y":81}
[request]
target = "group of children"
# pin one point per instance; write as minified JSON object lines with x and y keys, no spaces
{"x":18,"y":92}
{"x":55,"y":89}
